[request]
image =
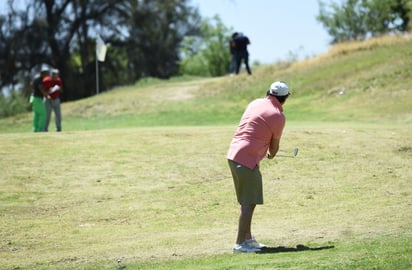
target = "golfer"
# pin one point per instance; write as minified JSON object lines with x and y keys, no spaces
{"x":257,"y":136}
{"x":38,"y":95}
{"x":54,"y":86}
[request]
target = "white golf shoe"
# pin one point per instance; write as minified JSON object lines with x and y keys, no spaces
{"x":254,"y":243}
{"x":244,"y":248}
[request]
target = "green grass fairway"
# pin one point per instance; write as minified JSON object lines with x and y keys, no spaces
{"x":162,"y":198}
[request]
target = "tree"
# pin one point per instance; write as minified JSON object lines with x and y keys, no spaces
{"x":49,"y":32}
{"x":153,"y":33}
{"x":360,"y":19}
{"x":208,"y":54}
{"x":67,"y":31}
{"x":145,"y":37}
{"x":402,"y":9}
{"x":22,"y":45}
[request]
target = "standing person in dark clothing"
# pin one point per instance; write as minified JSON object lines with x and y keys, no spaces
{"x":37,"y":100}
{"x":232,"y":46}
{"x":241,"y":52}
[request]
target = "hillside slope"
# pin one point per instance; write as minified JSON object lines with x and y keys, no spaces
{"x":365,"y":82}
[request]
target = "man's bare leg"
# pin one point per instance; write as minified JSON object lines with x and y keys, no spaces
{"x":245,"y":221}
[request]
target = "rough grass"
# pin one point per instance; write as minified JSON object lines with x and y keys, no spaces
{"x":364,"y":82}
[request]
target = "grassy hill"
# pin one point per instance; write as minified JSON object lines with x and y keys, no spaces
{"x":366,"y":82}
{"x":139,"y":173}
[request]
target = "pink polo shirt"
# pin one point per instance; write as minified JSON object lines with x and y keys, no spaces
{"x":262,"y":120}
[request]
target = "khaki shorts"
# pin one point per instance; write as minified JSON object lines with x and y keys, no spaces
{"x":248,"y":183}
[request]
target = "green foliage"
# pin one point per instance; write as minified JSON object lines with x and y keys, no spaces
{"x":216,"y":52}
{"x":13,"y":104}
{"x":144,"y":39}
{"x":359,"y":19}
{"x":155,"y":32}
{"x":208,"y":55}
{"x":194,"y":65}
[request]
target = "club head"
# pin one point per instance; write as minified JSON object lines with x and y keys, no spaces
{"x":295,"y":152}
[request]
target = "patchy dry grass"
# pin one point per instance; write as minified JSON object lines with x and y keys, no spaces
{"x":80,"y":199}
{"x":124,"y":181}
{"x":350,"y":47}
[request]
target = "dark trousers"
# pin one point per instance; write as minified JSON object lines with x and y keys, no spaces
{"x":245,"y":57}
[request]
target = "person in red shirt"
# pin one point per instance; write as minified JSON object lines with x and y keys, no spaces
{"x":257,"y":136}
{"x":54,"y":87}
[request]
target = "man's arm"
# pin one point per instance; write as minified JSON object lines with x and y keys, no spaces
{"x":61,"y":85}
{"x":43,"y":90}
{"x":273,"y":148}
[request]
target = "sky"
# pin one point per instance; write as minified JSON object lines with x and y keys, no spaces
{"x":277,"y":29}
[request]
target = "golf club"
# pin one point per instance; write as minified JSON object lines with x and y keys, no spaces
{"x":295,"y":153}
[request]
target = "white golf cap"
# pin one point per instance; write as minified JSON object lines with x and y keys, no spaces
{"x":279,"y":88}
{"x":44,"y":69}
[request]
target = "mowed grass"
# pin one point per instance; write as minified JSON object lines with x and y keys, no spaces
{"x":162,"y":198}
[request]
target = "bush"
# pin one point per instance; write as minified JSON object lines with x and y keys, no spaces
{"x":13,"y":104}
{"x":195,"y":66}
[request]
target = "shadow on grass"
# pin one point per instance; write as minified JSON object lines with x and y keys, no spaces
{"x":279,"y":249}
